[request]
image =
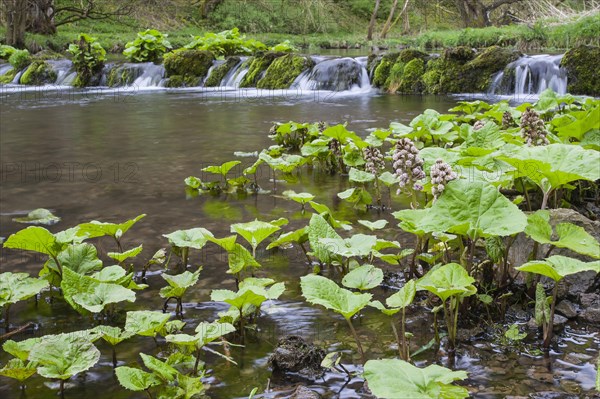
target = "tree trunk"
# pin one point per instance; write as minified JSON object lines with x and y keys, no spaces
{"x":475,"y":13}
{"x":14,"y":14}
{"x":372,"y":21}
{"x":388,"y":22}
{"x":41,"y":14}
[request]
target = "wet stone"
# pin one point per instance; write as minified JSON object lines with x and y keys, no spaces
{"x":591,"y":315}
{"x":590,"y":300}
{"x":567,"y":309}
{"x":559,"y":322}
{"x":293,"y":354}
{"x":303,"y":392}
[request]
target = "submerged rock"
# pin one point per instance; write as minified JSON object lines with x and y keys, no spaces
{"x":303,"y":392}
{"x":293,"y":354}
{"x":581,"y":64}
{"x":567,"y":309}
{"x":337,"y":74}
{"x":283,"y":71}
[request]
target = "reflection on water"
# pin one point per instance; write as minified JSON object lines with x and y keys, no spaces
{"x":113,"y":155}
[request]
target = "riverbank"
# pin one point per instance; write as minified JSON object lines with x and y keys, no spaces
{"x":544,"y":36}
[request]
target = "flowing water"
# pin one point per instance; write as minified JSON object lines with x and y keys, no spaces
{"x":110,"y":155}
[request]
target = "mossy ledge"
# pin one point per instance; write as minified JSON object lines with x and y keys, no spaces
{"x":187,"y":67}
{"x":457,"y":70}
{"x":219,"y":72}
{"x":37,"y":74}
{"x":283,"y":71}
{"x":258,"y":65}
{"x":581,"y":64}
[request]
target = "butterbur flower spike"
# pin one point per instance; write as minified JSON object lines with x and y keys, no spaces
{"x":507,"y":120}
{"x":334,"y":147}
{"x":407,"y":164}
{"x":441,"y":173}
{"x":374,"y":160}
{"x":533,"y":129}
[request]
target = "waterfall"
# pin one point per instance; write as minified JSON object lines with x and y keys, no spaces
{"x":65,"y":74}
{"x":531,"y":75}
{"x":337,"y":74}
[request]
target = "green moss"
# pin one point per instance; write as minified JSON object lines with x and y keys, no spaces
{"x":412,"y":77}
{"x":46,"y":55}
{"x":431,"y":78}
{"x":182,"y":81}
{"x":258,"y":65}
{"x":38,"y":73}
{"x":382,"y":70}
{"x":410,"y":54}
{"x":581,"y":64}
{"x":395,"y":77}
{"x":477,"y":74}
{"x":8,"y":76}
{"x":188,"y":63}
{"x":120,"y":76}
{"x":283,"y":71}
{"x":218,"y":73}
{"x":458,"y":54}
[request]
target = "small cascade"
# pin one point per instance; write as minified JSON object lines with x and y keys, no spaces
{"x":531,"y":75}
{"x":5,"y":68}
{"x":152,"y":75}
{"x":236,"y":74}
{"x":337,"y":74}
{"x":65,"y":74}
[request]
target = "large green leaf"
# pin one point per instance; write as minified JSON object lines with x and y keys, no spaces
{"x":62,"y":356}
{"x":121,"y":256}
{"x":39,"y":216}
{"x":559,"y":164}
{"x":556,"y":267}
{"x":15,"y":287}
{"x":192,"y":238}
{"x":84,"y":292}
{"x":113,"y":335}
{"x":208,"y":332}
{"x":136,"y":379}
{"x":393,"y":378}
{"x":18,"y":369}
{"x":99,"y":229}
{"x":163,"y":370}
{"x":359,"y":176}
{"x":179,"y":283}
{"x":222,"y":169}
{"x":301,"y":198}
{"x":363,"y":277}
{"x":357,"y":245}
{"x":298,"y":236}
{"x":319,"y":229}
{"x":569,"y":235}
{"x":448,"y":280}
{"x":36,"y":239}
{"x":254,"y":232}
{"x":376,"y":225}
{"x":80,"y":258}
{"x":404,"y":297}
{"x":145,"y":322}
{"x":320,"y":290}
{"x":474,"y":209}
{"x":245,"y":296}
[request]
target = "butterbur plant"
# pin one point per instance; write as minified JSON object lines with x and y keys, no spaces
{"x":533,"y":130}
{"x":148,"y":46}
{"x":374,"y":164}
{"x":408,"y":167}
{"x":88,"y":59}
{"x":441,"y":173}
{"x":178,"y":285}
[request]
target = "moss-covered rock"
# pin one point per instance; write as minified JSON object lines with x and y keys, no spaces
{"x":182,"y":81}
{"x":258,"y":65}
{"x":458,"y":70}
{"x":409,"y":54}
{"x":412,"y":77}
{"x":283,"y":71}
{"x":219,"y":72}
{"x":46,"y":55}
{"x":188,"y":63}
{"x":8,"y":76}
{"x":477,"y":74}
{"x":120,"y":76}
{"x":383,"y":68}
{"x":581,"y":64}
{"x":38,"y":73}
{"x":394,"y":80}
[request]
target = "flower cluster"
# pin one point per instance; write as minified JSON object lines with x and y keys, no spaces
{"x":335,"y":148}
{"x":321,"y":126}
{"x":507,"y":120}
{"x":533,"y":129}
{"x":407,"y":164}
{"x":374,"y":160}
{"x":478,"y":125}
{"x":441,"y":173}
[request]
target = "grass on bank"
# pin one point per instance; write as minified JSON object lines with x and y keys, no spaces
{"x":545,"y":35}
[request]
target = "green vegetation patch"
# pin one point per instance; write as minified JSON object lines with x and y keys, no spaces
{"x":258,"y":65}
{"x":582,"y":70}
{"x":38,"y":73}
{"x":283,"y":71}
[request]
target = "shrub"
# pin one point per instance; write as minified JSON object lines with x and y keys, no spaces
{"x":148,"y":46}
{"x":6,"y":51}
{"x":88,"y":58}
{"x":226,"y":43}
{"x":20,"y":59}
